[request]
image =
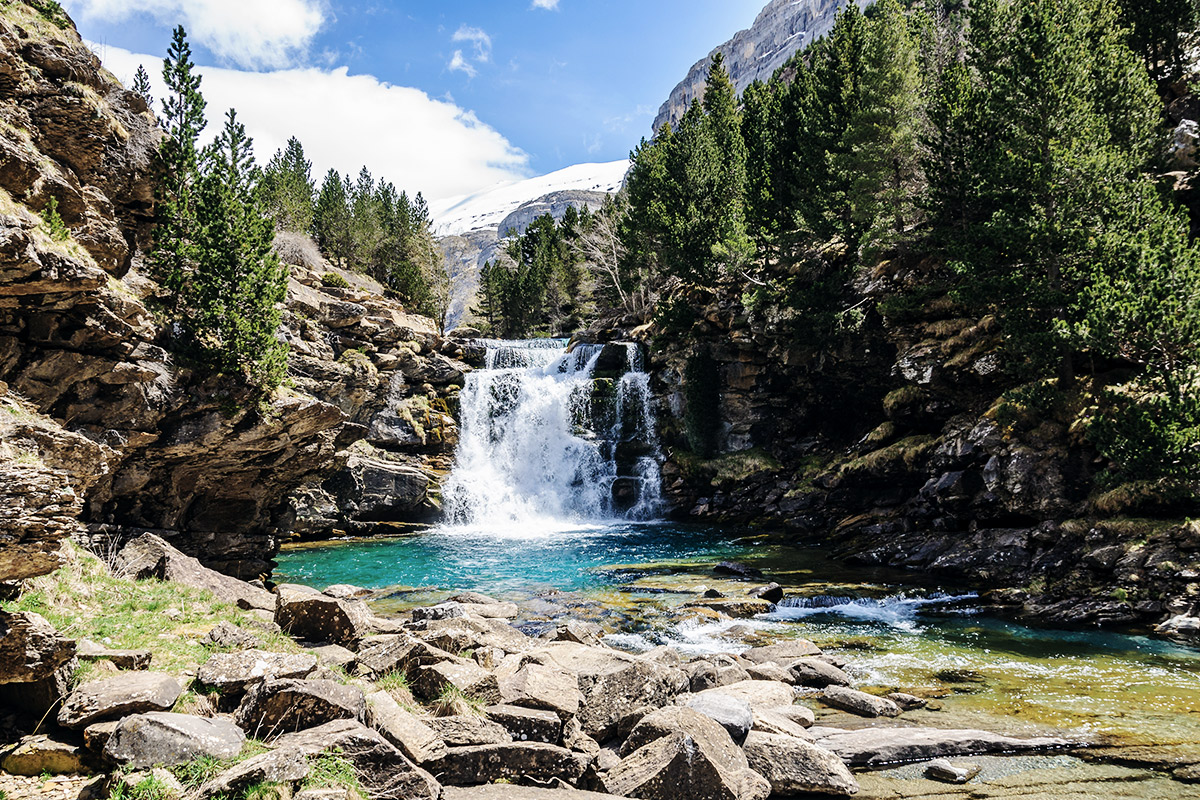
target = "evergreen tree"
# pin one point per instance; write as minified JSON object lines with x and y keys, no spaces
{"x":767,"y":217}
{"x":238,"y":282}
{"x":141,"y":86}
{"x":1159,"y":32}
{"x":287,"y":189}
{"x":723,"y":126}
{"x":331,"y":218}
{"x":183,"y":121}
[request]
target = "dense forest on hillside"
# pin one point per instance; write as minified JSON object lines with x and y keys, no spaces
{"x":1009,"y":159}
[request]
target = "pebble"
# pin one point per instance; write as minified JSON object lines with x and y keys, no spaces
{"x":60,"y":787}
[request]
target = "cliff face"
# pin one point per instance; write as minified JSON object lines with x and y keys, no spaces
{"x":102,"y":433}
{"x":892,"y":438}
{"x":784,"y":28}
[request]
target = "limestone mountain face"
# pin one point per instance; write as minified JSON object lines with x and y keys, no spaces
{"x":103,"y":433}
{"x":784,"y":28}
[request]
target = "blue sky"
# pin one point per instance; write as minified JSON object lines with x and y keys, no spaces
{"x":505,"y":88}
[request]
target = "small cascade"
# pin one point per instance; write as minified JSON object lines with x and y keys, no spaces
{"x":552,"y":438}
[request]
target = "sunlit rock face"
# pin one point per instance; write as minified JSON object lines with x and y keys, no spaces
{"x":782,"y":29}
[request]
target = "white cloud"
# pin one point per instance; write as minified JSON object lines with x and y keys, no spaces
{"x":477,"y":37}
{"x":460,"y":64}
{"x":254,"y":34}
{"x":345,"y":121}
{"x":549,"y":5}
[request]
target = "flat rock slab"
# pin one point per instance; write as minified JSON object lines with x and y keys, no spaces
{"x":130,"y":693}
{"x":770,"y":721}
{"x":817,"y":673}
{"x":468,"y":731}
{"x":122,"y":659}
{"x":233,"y":672}
{"x":527,"y":724}
{"x":467,"y":677}
{"x":502,"y":791}
{"x":681,"y":766}
{"x":879,"y":746}
{"x":793,"y":766}
{"x":403,"y":729}
{"x":162,"y":739}
{"x":758,"y":694}
{"x":861,"y":703}
{"x":149,"y":556}
{"x":41,"y":755}
{"x":743,"y":608}
{"x":284,"y":706}
{"x":286,"y":765}
{"x":543,"y":687}
{"x":731,"y":713}
{"x":469,"y":766}
{"x":783,"y":653}
{"x":307,"y":614}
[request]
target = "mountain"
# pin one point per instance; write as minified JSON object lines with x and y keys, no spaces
{"x":471,"y":226}
{"x":782,"y":29}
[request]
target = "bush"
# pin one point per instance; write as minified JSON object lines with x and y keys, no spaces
{"x":56,"y":229}
{"x":334,"y":281}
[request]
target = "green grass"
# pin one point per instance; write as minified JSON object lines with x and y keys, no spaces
{"x":332,"y":770}
{"x":150,"y":788}
{"x":396,"y":679}
{"x":453,"y":702}
{"x":83,"y":600}
{"x":200,"y":771}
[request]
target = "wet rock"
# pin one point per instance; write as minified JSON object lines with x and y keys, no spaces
{"x":122,"y":659}
{"x":732,"y":714}
{"x":344,"y":591}
{"x":861,"y":703}
{"x":467,"y":678}
{"x":680,"y":765}
{"x":801,"y":715}
{"x":793,"y":766}
{"x":782,"y":653}
{"x":942,"y":770}
{"x":233,"y":672}
{"x":307,"y":614}
{"x":772,"y":593}
{"x":468,"y":730}
{"x":737,"y":568}
{"x":817,"y":673}
{"x":732,"y":607}
{"x":150,"y":556}
{"x":402,"y":728}
{"x":276,"y":766}
{"x":527,"y":724}
{"x":162,"y":739}
{"x":877,"y":746}
{"x":283,"y":706}
{"x":129,"y":693}
{"x":907,"y":702}
{"x":580,"y":632}
{"x":758,"y":694}
{"x":40,"y":755}
{"x":468,"y":766}
{"x":541,"y":687}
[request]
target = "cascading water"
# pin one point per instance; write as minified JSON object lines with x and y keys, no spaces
{"x":552,"y":438}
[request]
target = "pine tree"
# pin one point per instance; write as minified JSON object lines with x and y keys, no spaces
{"x":331,"y":218}
{"x":233,"y":313}
{"x":287,"y":188}
{"x":766,"y":215}
{"x":723,"y":122}
{"x":141,"y":86}
{"x":183,"y":121}
{"x":1159,"y":31}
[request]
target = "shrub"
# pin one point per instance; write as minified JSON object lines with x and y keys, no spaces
{"x":334,"y":281}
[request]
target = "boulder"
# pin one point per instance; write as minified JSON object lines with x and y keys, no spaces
{"x":162,"y":739}
{"x":578,"y":631}
{"x":793,"y":766}
{"x":527,"y":724}
{"x":679,"y":765}
{"x":333,"y":655}
{"x":30,"y":648}
{"x":907,"y":702}
{"x":226,"y":634}
{"x":467,"y":730}
{"x":283,"y":706}
{"x":772,"y":593}
{"x":941,"y":769}
{"x":769,"y":671}
{"x":771,"y":721}
{"x":441,"y":611}
{"x":744,"y":608}
{"x":456,"y":634}
{"x":307,"y":614}
{"x":758,"y":694}
{"x":467,"y":766}
{"x":878,"y":746}
{"x":861,"y":703}
{"x":41,"y":755}
{"x":233,"y":672}
{"x":380,"y":655}
{"x":783,"y":652}
{"x":801,"y":715}
{"x":150,"y":556}
{"x":402,"y":728}
{"x":112,"y":698}
{"x":671,"y":720}
{"x":96,"y":736}
{"x":614,"y":684}
{"x":542,"y":687}
{"x":468,"y":678}
{"x":737,"y":568}
{"x":382,"y":769}
{"x":344,"y":591}
{"x":275,"y":766}
{"x":817,"y":673}
{"x":87,"y":650}
{"x":731,"y":713}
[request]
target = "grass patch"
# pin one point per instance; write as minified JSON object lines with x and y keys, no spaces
{"x":906,"y":452}
{"x":453,"y":703}
{"x":332,"y":770}
{"x":396,"y":679}
{"x":83,"y":600}
{"x":149,"y":788}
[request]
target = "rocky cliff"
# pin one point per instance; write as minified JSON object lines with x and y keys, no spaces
{"x":784,"y":28}
{"x":103,"y":433}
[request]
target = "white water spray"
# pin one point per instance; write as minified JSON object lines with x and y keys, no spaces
{"x":547,"y":443}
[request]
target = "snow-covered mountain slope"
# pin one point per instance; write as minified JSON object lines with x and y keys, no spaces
{"x":489,"y":207}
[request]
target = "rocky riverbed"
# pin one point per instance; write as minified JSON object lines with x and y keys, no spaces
{"x":464,"y":698}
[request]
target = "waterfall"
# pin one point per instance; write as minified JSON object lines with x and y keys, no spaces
{"x":551,"y":438}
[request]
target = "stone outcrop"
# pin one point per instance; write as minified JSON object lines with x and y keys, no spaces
{"x":782,"y":29}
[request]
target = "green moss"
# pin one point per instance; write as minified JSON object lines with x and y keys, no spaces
{"x":899,"y":399}
{"x":907,"y":452}
{"x":735,"y":467}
